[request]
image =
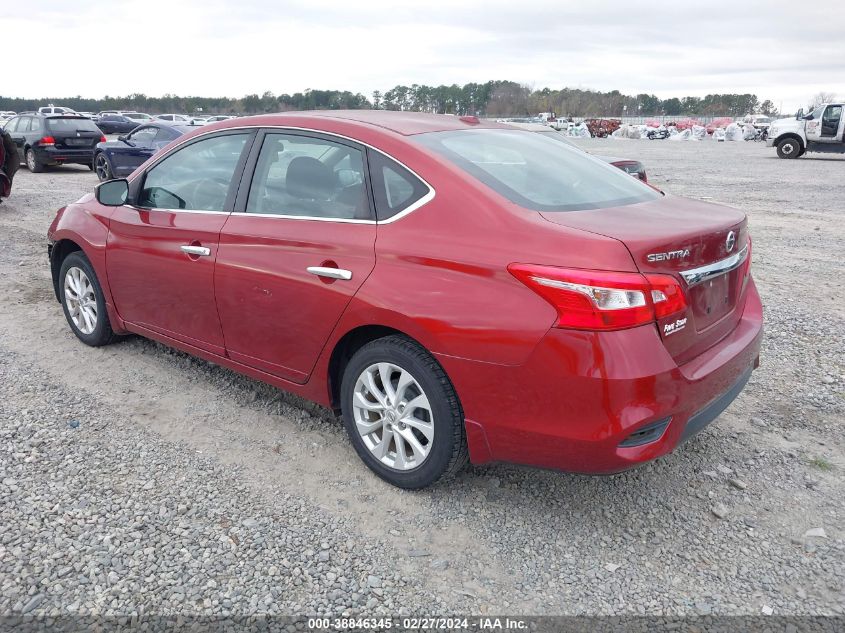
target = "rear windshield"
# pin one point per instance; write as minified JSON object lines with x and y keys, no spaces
{"x":68,"y":124}
{"x":537,"y":172}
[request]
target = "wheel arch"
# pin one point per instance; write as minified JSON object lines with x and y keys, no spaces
{"x":793,"y":136}
{"x":58,"y":252}
{"x":346,"y":347}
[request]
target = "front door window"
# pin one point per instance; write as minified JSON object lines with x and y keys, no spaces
{"x":197,"y":177}
{"x":830,"y":120}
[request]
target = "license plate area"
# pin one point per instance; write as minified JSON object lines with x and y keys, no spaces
{"x":78,"y":142}
{"x":713,"y":299}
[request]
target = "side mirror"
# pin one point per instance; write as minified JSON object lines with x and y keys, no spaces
{"x":112,"y":193}
{"x":799,"y":114}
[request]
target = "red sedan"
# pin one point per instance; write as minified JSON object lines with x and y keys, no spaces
{"x":455,"y":288}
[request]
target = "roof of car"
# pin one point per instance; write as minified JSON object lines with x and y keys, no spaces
{"x":406,"y":123}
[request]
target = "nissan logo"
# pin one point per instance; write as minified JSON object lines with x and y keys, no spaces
{"x":730,"y":241}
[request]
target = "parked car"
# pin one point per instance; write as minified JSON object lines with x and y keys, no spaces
{"x":759,"y":121}
{"x":139,"y":117}
{"x":219,"y":117}
{"x":524,"y":302}
{"x":54,"y":139}
{"x":116,"y":124}
{"x":628,"y":165}
{"x":121,"y":157}
{"x":5,"y":115}
{"x":51,"y":109}
{"x":173,"y":118}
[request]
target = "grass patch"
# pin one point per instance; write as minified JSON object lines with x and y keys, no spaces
{"x":821,"y":463}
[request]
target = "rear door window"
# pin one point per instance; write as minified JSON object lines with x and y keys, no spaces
{"x":309,"y":177}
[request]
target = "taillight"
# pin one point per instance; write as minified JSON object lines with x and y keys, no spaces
{"x":602,"y":300}
{"x":666,"y":295}
{"x":103,"y":138}
{"x":47,"y":140}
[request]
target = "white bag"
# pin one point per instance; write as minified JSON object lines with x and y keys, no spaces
{"x":733,"y":133}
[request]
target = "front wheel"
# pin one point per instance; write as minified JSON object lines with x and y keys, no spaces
{"x":789,"y":148}
{"x":402,"y":413}
{"x":83,"y":302}
{"x":32,"y":163}
{"x":102,"y":167}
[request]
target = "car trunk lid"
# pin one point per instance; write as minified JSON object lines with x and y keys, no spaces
{"x":702,"y":245}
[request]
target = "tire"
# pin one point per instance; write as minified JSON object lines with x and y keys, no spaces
{"x":90,"y":166}
{"x":32,"y":162}
{"x":438,"y":428}
{"x":70,"y":281}
{"x":789,"y":148}
{"x":102,"y":167}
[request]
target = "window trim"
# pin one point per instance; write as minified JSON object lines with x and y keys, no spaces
{"x":257,"y":129}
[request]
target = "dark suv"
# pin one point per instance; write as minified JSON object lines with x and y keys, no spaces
{"x":54,"y":139}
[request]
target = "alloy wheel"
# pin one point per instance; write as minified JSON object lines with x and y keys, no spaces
{"x":393,"y":416}
{"x":81,"y":300}
{"x":30,"y":160}
{"x":101,"y":167}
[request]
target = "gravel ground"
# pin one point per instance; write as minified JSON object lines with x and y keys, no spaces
{"x":135,"y":479}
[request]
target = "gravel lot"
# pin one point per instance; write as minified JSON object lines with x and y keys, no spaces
{"x":135,"y":479}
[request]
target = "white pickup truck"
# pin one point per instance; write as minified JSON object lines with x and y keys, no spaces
{"x":823,"y":130}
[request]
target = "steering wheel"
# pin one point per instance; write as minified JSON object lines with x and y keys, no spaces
{"x":208,"y":194}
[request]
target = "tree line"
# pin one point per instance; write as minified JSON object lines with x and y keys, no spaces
{"x":493,"y":98}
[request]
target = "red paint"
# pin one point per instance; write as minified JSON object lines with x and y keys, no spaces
{"x":532,"y":393}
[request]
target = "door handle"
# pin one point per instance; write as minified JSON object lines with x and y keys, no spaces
{"x":331,"y":273}
{"x":200,"y":251}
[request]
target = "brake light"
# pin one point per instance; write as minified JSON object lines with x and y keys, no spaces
{"x":47,"y":140}
{"x":103,"y":138}
{"x":602,"y":300}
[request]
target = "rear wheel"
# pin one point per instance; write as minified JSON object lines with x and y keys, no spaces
{"x":789,"y":148}
{"x":32,"y":163}
{"x":402,"y":413}
{"x":102,"y":167}
{"x":83,"y":302}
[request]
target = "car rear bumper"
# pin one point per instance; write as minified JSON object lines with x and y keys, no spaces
{"x":600,"y":403}
{"x":54,"y":155}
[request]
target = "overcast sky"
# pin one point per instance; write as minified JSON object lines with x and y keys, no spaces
{"x":785,"y":52}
